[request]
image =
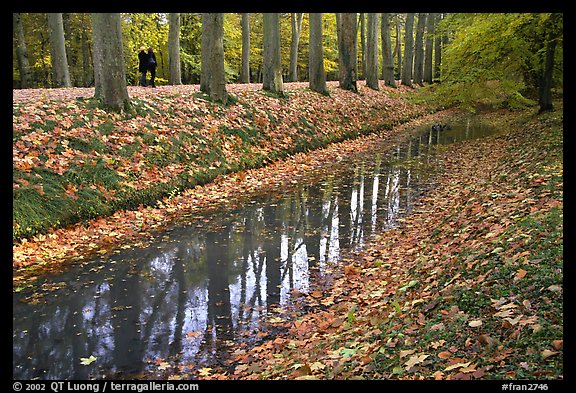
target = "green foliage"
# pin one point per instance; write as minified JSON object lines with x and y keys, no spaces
{"x":493,"y":59}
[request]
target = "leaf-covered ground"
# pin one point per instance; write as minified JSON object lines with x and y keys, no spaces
{"x":470,"y":287}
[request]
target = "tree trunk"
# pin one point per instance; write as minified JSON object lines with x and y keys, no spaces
{"x":21,"y":53}
{"x":362,"y":46}
{"x":418,"y":76}
{"x":398,"y":47}
{"x":428,"y":55}
{"x":408,"y":50}
{"x":245,"y":74}
{"x":296,"y":31}
{"x":212,"y":77}
{"x":317,"y":76}
{"x":109,"y":71}
{"x":437,"y":50}
{"x":87,"y":68}
{"x":60,"y":72}
{"x":174,"y":70}
{"x":272,"y":67}
{"x":348,"y":52}
{"x":545,"y":89}
{"x":372,"y":51}
{"x":387,"y":58}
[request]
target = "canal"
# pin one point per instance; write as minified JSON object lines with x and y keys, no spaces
{"x":200,"y":288}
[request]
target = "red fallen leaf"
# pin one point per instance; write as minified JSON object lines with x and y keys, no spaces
{"x":350,"y":270}
{"x":521,"y":273}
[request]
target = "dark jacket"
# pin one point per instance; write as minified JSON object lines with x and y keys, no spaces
{"x":142,"y":61}
{"x":151,"y":64}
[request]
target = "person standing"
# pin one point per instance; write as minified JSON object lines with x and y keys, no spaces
{"x":143,"y":65}
{"x":152,"y":65}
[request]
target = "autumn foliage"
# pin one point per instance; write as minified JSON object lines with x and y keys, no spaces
{"x":74,"y":162}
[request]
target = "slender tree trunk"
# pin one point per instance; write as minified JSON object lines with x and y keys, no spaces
{"x":245,"y":74}
{"x":372,"y":51}
{"x":212,"y":77}
{"x":418,"y":75}
{"x":428,"y":49}
{"x":87,"y":68}
{"x":398,"y":46}
{"x":272,"y":66}
{"x":362,"y":27}
{"x":545,"y":89}
{"x":109,"y":71}
{"x":58,"y":58}
{"x":317,"y":76}
{"x":21,"y":53}
{"x":387,"y":58}
{"x":437,"y":50}
{"x":296,"y":31}
{"x":174,"y":70}
{"x":408,"y":50}
{"x":348,"y":52}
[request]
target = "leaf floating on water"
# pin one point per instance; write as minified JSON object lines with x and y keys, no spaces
{"x":88,"y":361}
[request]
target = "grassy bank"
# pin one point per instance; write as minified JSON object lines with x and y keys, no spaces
{"x":74,"y":162}
{"x":470,"y":287}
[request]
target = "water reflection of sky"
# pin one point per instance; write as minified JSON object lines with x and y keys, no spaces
{"x":187,"y":298}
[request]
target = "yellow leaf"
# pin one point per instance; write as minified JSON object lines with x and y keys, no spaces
{"x":475,"y":323}
{"x":547,"y":353}
{"x":457,"y":365}
{"x":87,"y":361}
{"x":415,"y":360}
{"x":204,"y":372}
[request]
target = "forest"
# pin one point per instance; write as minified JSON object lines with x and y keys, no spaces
{"x":359,"y":196}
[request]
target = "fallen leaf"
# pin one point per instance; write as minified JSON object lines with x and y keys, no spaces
{"x":558,"y":344}
{"x":457,"y":365}
{"x":415,"y":360}
{"x":88,"y":361}
{"x":406,"y":352}
{"x":486,"y":340}
{"x":475,"y":323}
{"x":521,"y":273}
{"x":547,"y":353}
{"x":445,"y":354}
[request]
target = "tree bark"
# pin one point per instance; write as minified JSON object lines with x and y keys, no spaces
{"x":109,"y":71}
{"x":362,"y":28}
{"x":174,"y":70}
{"x":60,"y":72}
{"x":429,"y":46}
{"x":348,"y":52}
{"x":212,"y":77}
{"x":372,"y":51}
{"x":437,"y":50}
{"x":296,"y":31}
{"x":317,"y":76}
{"x":245,"y":73}
{"x":398,"y":48}
{"x":21,"y":52}
{"x":408,"y":50}
{"x":272,"y":67}
{"x":545,"y":89}
{"x":387,"y":57}
{"x":418,"y":75}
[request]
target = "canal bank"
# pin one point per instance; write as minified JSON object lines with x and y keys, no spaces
{"x":124,"y":175}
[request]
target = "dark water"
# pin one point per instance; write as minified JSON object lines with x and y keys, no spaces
{"x":189,"y":297}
